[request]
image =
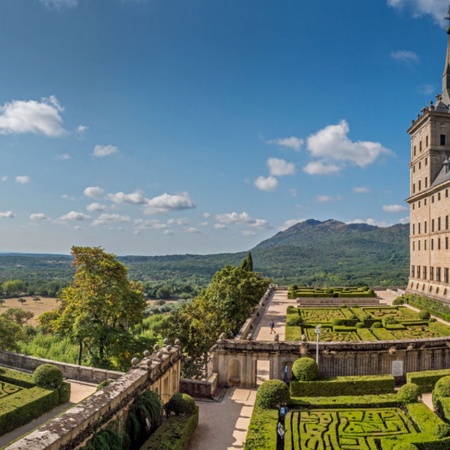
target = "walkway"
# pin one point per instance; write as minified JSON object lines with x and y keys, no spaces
{"x":78,"y":391}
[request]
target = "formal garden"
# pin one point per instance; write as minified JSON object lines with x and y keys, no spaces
{"x":295,"y":291}
{"x":349,"y":413}
{"x":353,"y":323}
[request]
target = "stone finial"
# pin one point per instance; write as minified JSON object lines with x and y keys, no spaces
{"x":276,"y":337}
{"x":156,"y":347}
{"x":149,"y":364}
{"x":169,"y":348}
{"x":166,"y":341}
{"x":135,"y":362}
{"x":177,"y":342}
{"x":146,"y":353}
{"x":160,"y":355}
{"x":222,"y":336}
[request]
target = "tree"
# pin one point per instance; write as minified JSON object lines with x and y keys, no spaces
{"x":18,"y":315}
{"x":10,"y":334}
{"x":247,"y":263}
{"x":100,"y":308}
{"x":13,"y":287}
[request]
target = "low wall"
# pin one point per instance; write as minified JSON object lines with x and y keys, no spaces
{"x":74,"y":428}
{"x":70,"y":371}
{"x":200,"y":389}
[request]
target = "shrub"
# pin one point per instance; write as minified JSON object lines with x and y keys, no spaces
{"x":295,"y":321}
{"x":432,"y":319}
{"x":398,"y":301}
{"x":409,"y":393}
{"x":442,"y":430}
{"x":377,"y":325}
{"x":181,"y":405}
{"x":390,"y":319}
{"x":106,"y":439}
{"x":48,"y":376}
{"x":271,"y":394}
{"x":405,"y":446}
{"x":305,"y":369}
{"x":441,"y":390}
{"x":424,"y":314}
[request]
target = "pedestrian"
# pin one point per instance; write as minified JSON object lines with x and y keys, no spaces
{"x":272,"y":325}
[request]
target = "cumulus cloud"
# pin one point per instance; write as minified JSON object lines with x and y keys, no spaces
{"x":405,"y":56}
{"x":180,"y":221}
{"x":394,"y":208}
{"x":74,"y":216}
{"x":404,"y":220}
{"x":326,"y":198}
{"x":361,"y":190}
{"x":135,"y":198}
{"x":81,"y":131}
{"x":23,"y":179}
{"x":168,"y":232}
{"x":93,"y":192}
{"x":437,"y":9}
{"x":279,"y":167}
{"x":372,"y":222}
{"x":63,"y":156}
{"x":59,"y":4}
{"x":141,"y":225}
{"x":6,"y":215}
{"x":320,"y":168}
{"x":165,"y":203}
{"x":192,"y":230}
{"x":220,"y":226}
{"x":292,"y":142}
{"x":20,"y":116}
{"x":96,"y":207}
{"x":38,"y":216}
{"x":289,"y":223}
{"x":266,"y":184}
{"x":332,"y":143}
{"x":242,"y":218}
{"x":104,"y":150}
{"x":206,"y":215}
{"x":106,"y":219}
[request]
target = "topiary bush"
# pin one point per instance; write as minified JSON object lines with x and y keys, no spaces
{"x":398,"y":301}
{"x":441,"y":390}
{"x":409,"y":393}
{"x":48,"y":376}
{"x":305,"y":369}
{"x":424,"y":314}
{"x":377,"y":325}
{"x":181,"y":405}
{"x":272,"y":394}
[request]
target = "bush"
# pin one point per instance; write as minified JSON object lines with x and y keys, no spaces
{"x":409,"y":393}
{"x":405,"y":446}
{"x":295,"y":321}
{"x":424,"y":314}
{"x":181,"y":405}
{"x":377,"y":325}
{"x":305,"y":369}
{"x":442,"y":430}
{"x":440,"y":391}
{"x":389,"y":319}
{"x":426,"y":380}
{"x":398,"y":301}
{"x":272,"y":394}
{"x":48,"y":376}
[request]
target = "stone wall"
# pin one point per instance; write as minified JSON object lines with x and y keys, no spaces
{"x":70,"y":371}
{"x":159,"y":372}
{"x":200,"y":389}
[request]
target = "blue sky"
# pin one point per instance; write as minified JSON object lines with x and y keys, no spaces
{"x":156,"y":127}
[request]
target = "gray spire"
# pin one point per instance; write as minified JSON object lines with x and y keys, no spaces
{"x":443,"y":101}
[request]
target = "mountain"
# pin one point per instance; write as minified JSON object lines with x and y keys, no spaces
{"x":310,"y":252}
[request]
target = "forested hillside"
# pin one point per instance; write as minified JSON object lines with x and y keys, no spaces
{"x":310,"y":252}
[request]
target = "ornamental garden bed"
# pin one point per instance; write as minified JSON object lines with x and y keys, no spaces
{"x":357,"y":323}
{"x":295,"y":291}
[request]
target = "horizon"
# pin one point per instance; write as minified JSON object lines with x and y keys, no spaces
{"x":208,"y":127}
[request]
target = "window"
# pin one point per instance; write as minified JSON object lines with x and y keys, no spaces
{"x":414,"y":188}
{"x":439,"y":243}
{"x":420,"y":165}
{"x":439,"y":196}
{"x":432,"y":225}
{"x":420,"y":185}
{"x":446,"y":222}
{"x":413,"y":229}
{"x":442,"y":139}
{"x":425,"y":226}
{"x":432,"y":244}
{"x":426,"y":141}
{"x":439,"y":224}
{"x":426,"y":161}
{"x":424,"y":268}
{"x":424,"y":202}
{"x":414,"y":169}
{"x":432,"y":199}
{"x":413,"y":246}
{"x":446,"y":275}
{"x":413,"y":206}
{"x":438,"y":274}
{"x":418,"y":228}
{"x":446,"y":193}
{"x":424,"y":244}
{"x":418,"y":271}
{"x":446,"y":243}
{"x":418,"y":245}
{"x":414,"y":150}
{"x":413,"y":272}
{"x":420,"y":146}
{"x":431,"y":273}
{"x":426,"y":182}
{"x":418,"y":204}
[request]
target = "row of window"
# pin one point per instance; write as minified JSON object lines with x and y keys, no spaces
{"x":438,"y":244}
{"x":435,"y":226}
{"x":441,"y":142}
{"x":435,"y":273}
{"x":420,"y":165}
{"x":433,"y":197}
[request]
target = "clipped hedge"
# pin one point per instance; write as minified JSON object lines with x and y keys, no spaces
{"x":173,"y":434}
{"x":48,"y":376}
{"x":347,"y":401}
{"x":351,"y":385}
{"x":16,"y":377}
{"x":305,"y":369}
{"x":272,"y":394}
{"x":262,"y":432}
{"x":426,"y":380}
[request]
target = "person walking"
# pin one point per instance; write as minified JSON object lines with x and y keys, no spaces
{"x":272,"y":325}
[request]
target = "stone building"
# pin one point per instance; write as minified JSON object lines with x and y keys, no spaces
{"x":429,"y":195}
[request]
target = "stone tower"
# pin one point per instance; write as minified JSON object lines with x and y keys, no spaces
{"x":429,"y":195}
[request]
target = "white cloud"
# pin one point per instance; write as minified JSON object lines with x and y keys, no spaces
{"x":361,"y":190}
{"x":180,"y":221}
{"x":289,"y":223}
{"x":242,"y":219}
{"x":106,"y":219}
{"x":437,"y":9}
{"x":405,"y":56}
{"x":165,"y":203}
{"x":248,"y":233}
{"x":96,"y":207}
{"x":38,"y":216}
{"x":135,"y":198}
{"x":326,"y":198}
{"x":220,"y":226}
{"x":6,"y":215}
{"x":394,"y":208}
{"x":141,"y":224}
{"x":104,"y":150}
{"x":73,"y":215}
{"x":63,"y":156}
{"x":292,"y":142}
{"x":404,"y":220}
{"x":93,"y":192}
{"x":320,"y":168}
{"x":332,"y":143}
{"x":293,"y":192}
{"x":206,"y":215}
{"x":4,"y":178}
{"x":59,"y":4}
{"x":372,"y":222}
{"x":279,"y":167}
{"x":192,"y":230}
{"x":266,"y":184}
{"x":19,"y":117}
{"x":168,"y":232}
{"x":23,"y":179}
{"x":81,"y":131}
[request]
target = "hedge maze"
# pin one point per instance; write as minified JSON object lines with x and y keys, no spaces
{"x":295,"y":291}
{"x":345,"y":429}
{"x":353,"y":323}
{"x":8,"y":389}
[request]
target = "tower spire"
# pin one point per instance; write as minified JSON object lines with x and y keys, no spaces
{"x":446,"y":74}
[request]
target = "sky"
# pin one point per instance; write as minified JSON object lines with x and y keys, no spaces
{"x":157,"y":127}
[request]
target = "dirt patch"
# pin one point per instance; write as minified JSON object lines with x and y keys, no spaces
{"x":37,"y":308}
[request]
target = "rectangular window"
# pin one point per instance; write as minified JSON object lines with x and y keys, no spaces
{"x":432,"y":199}
{"x":438,"y":274}
{"x":413,"y":246}
{"x":420,"y":146}
{"x":413,"y":206}
{"x":425,"y":226}
{"x":413,"y":229}
{"x":439,"y":243}
{"x":418,"y":228}
{"x":418,"y":245}
{"x":446,"y":275}
{"x":426,"y":141}
{"x":413,"y":272}
{"x":426,"y":182}
{"x":420,"y":185}
{"x":414,"y":188}
{"x":446,"y":193}
{"x":439,"y":196}
{"x":424,"y":202}
{"x":426,"y":161}
{"x":446,"y":243}
{"x":442,"y":139}
{"x":418,"y":271}
{"x":424,"y":244}
{"x":432,"y":225}
{"x":431,"y":273}
{"x":424,"y":272}
{"x":446,"y":222}
{"x":432,"y":244}
{"x":414,"y":150}
{"x":439,"y":224}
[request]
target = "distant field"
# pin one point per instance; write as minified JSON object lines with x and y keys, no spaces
{"x":37,"y":308}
